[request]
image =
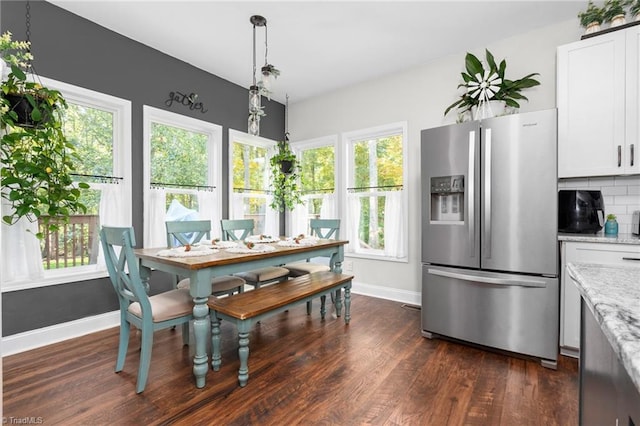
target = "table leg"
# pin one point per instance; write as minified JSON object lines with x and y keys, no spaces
{"x":216,"y":358}
{"x":323,"y":308}
{"x":347,"y":304}
{"x":200,"y":367}
{"x":243,"y":351}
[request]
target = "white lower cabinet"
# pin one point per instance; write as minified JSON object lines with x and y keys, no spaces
{"x":580,"y":252}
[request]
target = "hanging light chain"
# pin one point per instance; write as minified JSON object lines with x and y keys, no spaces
{"x":266,"y":45}
{"x":28,"y":21}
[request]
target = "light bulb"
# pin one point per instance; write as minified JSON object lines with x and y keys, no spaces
{"x":254,"y":99}
{"x":253,"y":124}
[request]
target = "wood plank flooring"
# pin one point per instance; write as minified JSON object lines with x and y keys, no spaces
{"x":377,"y":370}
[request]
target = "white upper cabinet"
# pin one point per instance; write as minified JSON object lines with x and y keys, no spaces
{"x":598,"y":98}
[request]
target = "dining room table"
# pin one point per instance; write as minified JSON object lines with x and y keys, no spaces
{"x":202,"y":262}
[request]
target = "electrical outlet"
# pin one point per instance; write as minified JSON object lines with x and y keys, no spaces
{"x":347,"y":266}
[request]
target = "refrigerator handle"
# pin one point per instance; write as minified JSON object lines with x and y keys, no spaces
{"x":487,"y":195}
{"x":471,"y":193}
{"x":488,"y":280}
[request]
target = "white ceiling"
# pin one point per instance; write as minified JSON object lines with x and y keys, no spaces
{"x":319,"y":46}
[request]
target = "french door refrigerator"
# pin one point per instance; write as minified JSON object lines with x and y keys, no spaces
{"x":489,"y":234}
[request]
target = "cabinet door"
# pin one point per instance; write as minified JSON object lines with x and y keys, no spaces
{"x":631,"y":157}
{"x":591,"y":105}
{"x":572,"y":252}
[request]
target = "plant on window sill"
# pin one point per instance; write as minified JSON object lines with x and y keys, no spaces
{"x":37,"y":159}
{"x":285,"y":178}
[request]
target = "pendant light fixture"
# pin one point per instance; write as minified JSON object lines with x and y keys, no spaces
{"x":263,"y":87}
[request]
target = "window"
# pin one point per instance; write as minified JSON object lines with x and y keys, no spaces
{"x":99,"y":126}
{"x":376,"y":211}
{"x":249,"y":181}
{"x":317,"y":161}
{"x":183,"y":161}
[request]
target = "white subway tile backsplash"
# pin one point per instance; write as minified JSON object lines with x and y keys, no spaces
{"x":598,"y":182}
{"x":614,"y":190}
{"x":621,"y":195}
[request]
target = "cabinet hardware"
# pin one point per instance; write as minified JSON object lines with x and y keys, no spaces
{"x":632,"y":155}
{"x":619,"y":155}
{"x":637,"y":259}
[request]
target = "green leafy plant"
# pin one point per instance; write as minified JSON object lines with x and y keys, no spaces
{"x":592,"y":14}
{"x":613,"y":8}
{"x":611,"y":217}
{"x":493,"y":78}
{"x":37,"y":160}
{"x":285,"y":178}
{"x":634,"y":8}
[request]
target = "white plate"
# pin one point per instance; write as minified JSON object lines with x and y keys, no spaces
{"x":261,"y":239}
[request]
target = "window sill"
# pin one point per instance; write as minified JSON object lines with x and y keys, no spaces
{"x":377,"y":257}
{"x":54,"y":279}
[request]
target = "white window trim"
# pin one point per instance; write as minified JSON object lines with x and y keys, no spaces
{"x":330,"y":140}
{"x":348,"y":138}
{"x":246,"y":138}
{"x":121,"y":110}
{"x":168,"y":118}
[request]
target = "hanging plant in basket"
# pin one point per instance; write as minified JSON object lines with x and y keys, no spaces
{"x":285,"y":178}
{"x":37,"y":160}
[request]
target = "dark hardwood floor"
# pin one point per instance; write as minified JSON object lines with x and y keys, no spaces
{"x":377,"y":370}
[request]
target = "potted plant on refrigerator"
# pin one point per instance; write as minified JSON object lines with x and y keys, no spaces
{"x":37,"y":160}
{"x":484,"y":85}
{"x":634,"y":10}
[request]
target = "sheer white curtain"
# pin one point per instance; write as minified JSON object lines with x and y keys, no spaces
{"x":110,"y":211}
{"x":394,"y":226}
{"x":328,"y":208}
{"x":155,"y":232}
{"x":208,"y":210}
{"x":353,"y":222}
{"x":237,"y":206}
{"x":271,"y":219}
{"x":22,"y":258}
{"x":300,"y":218}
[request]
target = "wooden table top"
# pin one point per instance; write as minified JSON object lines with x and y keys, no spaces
{"x":223,"y":257}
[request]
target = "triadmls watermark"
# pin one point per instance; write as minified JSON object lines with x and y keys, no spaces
{"x":26,"y":420}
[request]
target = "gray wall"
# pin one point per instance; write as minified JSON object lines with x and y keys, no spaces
{"x":71,"y":49}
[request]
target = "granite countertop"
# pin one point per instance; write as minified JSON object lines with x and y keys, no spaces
{"x":613,"y":295}
{"x":600,"y":238}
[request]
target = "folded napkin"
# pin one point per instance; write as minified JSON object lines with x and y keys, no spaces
{"x":297,"y":242}
{"x":181,"y":252}
{"x":258,"y":248}
{"x":261,"y":239}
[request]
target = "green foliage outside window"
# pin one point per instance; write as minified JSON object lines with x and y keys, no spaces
{"x":378,"y":164}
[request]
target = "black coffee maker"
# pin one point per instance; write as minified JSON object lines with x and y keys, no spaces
{"x":580,"y":212}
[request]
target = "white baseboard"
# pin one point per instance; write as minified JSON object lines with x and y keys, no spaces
{"x":403,"y":296}
{"x":57,"y":333}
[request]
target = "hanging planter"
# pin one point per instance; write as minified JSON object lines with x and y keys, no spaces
{"x":37,"y":159}
{"x":27,"y":112}
{"x":285,"y":178}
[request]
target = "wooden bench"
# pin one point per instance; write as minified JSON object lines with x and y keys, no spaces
{"x":245,"y":309}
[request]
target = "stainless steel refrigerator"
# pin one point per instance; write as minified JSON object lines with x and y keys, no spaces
{"x":489,"y":233}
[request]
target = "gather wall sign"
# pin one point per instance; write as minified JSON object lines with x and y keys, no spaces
{"x":190,"y":101}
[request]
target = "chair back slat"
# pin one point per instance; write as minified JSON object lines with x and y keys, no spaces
{"x":325,"y":228}
{"x":187,"y":231}
{"x":122,"y":264}
{"x":236,"y":229}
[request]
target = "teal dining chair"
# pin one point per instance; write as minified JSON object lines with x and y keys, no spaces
{"x":321,"y":228}
{"x":194,"y":231}
{"x":239,"y":230}
{"x":137,"y":308}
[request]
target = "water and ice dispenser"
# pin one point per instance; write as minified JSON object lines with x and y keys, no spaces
{"x":447,"y":199}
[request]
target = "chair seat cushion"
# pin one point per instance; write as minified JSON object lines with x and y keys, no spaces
{"x":264,"y":274}
{"x":167,"y":305}
{"x":297,"y":269}
{"x":219,"y":285}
